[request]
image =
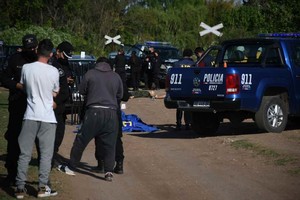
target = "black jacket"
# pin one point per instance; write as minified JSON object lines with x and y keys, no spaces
{"x":120,"y":62}
{"x":12,"y":74}
{"x":63,"y":94}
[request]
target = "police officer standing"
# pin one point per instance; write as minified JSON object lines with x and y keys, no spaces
{"x":148,"y":68}
{"x":16,"y":102}
{"x":185,"y":62}
{"x":120,"y":62}
{"x":60,"y":61}
{"x":136,"y":65}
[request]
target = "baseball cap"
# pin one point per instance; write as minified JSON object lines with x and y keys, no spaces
{"x":66,"y":48}
{"x":29,"y":41}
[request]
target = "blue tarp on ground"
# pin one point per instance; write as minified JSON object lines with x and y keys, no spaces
{"x":132,"y":123}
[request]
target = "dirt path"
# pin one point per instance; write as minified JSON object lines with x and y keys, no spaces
{"x":171,"y":164}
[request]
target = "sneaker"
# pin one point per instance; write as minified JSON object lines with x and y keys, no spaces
{"x":187,"y":127}
{"x":65,"y":169}
{"x":46,"y":192}
{"x":178,"y":127}
{"x":20,"y":193}
{"x":108,"y":176}
{"x":119,"y":168}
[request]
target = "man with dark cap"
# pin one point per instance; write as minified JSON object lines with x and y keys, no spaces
{"x":185,"y":62}
{"x":60,"y":61}
{"x":16,"y":102}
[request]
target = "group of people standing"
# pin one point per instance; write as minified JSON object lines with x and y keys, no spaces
{"x":37,"y":93}
{"x":148,"y":68}
{"x":38,"y":81}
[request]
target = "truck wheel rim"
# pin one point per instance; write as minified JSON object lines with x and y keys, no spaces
{"x":275,"y":115}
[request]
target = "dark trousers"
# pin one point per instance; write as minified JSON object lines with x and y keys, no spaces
{"x":16,"y":111}
{"x":187,"y":117}
{"x":155,"y":79}
{"x":148,"y":78}
{"x":119,"y":157}
{"x":102,"y":124}
{"x":59,"y":136}
{"x":135,"y":77}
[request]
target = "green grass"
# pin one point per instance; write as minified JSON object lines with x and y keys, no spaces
{"x":295,"y":171}
{"x":279,"y":159}
{"x":3,"y":117}
{"x":295,"y":138}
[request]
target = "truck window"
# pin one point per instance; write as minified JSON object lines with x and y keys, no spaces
{"x":273,"y":57}
{"x":295,"y":54}
{"x":244,"y":54}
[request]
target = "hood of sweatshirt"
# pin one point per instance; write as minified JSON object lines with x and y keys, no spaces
{"x":103,"y":66}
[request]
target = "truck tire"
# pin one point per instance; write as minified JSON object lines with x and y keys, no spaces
{"x":205,"y":123}
{"x":272,"y":115}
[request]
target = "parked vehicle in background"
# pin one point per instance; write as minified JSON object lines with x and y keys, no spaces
{"x":168,"y":54}
{"x":256,"y":78}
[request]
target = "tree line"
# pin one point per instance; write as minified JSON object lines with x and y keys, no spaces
{"x":85,"y":22}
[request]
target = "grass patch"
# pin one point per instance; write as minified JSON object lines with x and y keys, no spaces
{"x":295,"y":171}
{"x":294,"y":138}
{"x":285,"y":161}
{"x":280,"y":159}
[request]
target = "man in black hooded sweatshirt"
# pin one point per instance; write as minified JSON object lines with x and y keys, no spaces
{"x":17,"y":103}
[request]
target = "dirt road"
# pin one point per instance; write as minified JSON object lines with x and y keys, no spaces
{"x":171,"y":164}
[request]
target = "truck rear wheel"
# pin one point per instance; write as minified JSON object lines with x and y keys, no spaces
{"x":205,"y":123}
{"x":272,"y":115}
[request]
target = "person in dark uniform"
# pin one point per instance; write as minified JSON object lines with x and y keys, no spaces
{"x":99,"y":152}
{"x":185,"y":62}
{"x":120,"y":62}
{"x":103,"y":89}
{"x":60,"y":61}
{"x":148,"y":68}
{"x":136,"y":66}
{"x":16,"y":102}
{"x":156,"y":68}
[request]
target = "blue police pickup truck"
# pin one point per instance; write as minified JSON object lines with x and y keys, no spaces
{"x":257,"y":78}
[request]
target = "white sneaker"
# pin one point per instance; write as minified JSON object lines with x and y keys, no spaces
{"x":65,"y":169}
{"x":46,"y":192}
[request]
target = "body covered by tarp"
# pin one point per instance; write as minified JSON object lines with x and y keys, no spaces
{"x":132,"y":123}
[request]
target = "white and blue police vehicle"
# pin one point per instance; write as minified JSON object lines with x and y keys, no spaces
{"x":257,"y":78}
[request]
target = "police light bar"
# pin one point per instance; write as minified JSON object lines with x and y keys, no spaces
{"x":279,"y":35}
{"x":156,"y":43}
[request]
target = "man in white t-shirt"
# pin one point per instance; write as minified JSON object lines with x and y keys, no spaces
{"x":41,"y":83}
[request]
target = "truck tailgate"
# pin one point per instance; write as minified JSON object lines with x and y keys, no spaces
{"x":197,"y":83}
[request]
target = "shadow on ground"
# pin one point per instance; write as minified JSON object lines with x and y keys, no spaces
{"x":225,"y":129}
